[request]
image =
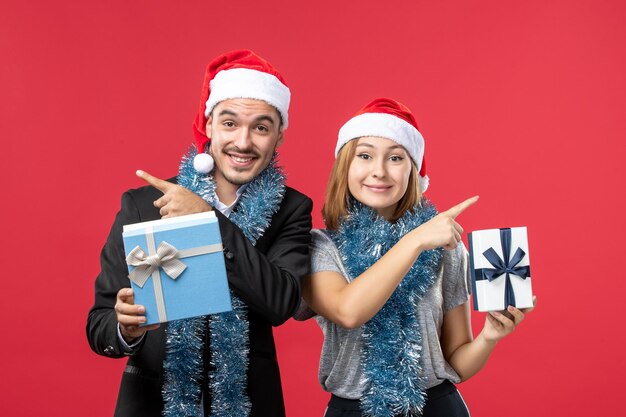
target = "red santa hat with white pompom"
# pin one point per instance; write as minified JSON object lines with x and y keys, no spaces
{"x":236,"y":74}
{"x":389,"y":119}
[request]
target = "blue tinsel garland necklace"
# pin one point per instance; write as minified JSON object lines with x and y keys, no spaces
{"x":228,"y":332}
{"x":391,"y":340}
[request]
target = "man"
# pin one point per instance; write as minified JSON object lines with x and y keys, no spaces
{"x":223,"y":365}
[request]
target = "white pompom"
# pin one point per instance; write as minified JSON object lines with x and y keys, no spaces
{"x":203,"y":163}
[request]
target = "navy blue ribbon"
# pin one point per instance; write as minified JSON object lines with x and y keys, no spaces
{"x":505,"y":266}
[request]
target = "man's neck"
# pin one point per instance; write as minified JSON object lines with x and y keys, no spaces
{"x":226,"y":191}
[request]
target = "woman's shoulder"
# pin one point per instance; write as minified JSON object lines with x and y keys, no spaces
{"x":321,"y":238}
{"x":325,"y":255}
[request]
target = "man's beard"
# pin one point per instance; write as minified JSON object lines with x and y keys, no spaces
{"x":235,"y":181}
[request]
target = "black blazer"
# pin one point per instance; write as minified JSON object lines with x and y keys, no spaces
{"x":266,"y":276}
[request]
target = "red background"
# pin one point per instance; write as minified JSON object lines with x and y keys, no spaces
{"x":520,"y":102}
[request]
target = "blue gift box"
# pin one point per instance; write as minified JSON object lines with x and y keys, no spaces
{"x":176,"y":267}
{"x":500,"y":268}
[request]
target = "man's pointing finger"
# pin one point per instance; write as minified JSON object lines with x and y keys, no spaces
{"x":157,"y":183}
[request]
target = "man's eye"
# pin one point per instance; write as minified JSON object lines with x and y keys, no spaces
{"x":229,"y":124}
{"x":262,"y":128}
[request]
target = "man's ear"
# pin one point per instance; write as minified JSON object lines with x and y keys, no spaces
{"x":281,"y":137}
{"x":208,"y":126}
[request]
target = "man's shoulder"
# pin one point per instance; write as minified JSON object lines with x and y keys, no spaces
{"x":294,"y":199}
{"x":295,"y":195}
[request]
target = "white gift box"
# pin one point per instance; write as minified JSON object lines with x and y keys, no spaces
{"x":499,"y":278}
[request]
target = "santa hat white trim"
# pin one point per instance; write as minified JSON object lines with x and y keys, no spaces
{"x":247,"y":83}
{"x":389,"y":127}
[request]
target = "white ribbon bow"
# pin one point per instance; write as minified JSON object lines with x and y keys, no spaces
{"x":166,"y":257}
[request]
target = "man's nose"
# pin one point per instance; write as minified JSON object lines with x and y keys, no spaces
{"x":243,"y":140}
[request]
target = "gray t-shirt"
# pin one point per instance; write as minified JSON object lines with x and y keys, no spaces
{"x":340,"y":369}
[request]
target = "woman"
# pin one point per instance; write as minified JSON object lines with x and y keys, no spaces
{"x":393,"y":305}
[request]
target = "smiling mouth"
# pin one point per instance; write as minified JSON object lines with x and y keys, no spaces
{"x":378,"y":188}
{"x":241,"y":160}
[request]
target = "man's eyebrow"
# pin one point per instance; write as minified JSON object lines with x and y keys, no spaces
{"x":264,"y":117}
{"x":227,"y":112}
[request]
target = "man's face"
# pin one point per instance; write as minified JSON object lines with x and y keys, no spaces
{"x":244,"y":134}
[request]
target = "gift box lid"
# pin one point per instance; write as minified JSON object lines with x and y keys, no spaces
{"x":169,"y":223}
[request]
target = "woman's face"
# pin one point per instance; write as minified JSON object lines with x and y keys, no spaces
{"x":379,"y":174}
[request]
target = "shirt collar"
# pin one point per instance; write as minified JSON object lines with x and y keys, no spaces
{"x":227,"y":209}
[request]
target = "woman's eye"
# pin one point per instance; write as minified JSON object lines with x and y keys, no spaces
{"x":396,"y":158}
{"x":364,"y":156}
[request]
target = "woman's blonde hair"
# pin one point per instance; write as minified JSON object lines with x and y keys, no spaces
{"x":338,"y":194}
